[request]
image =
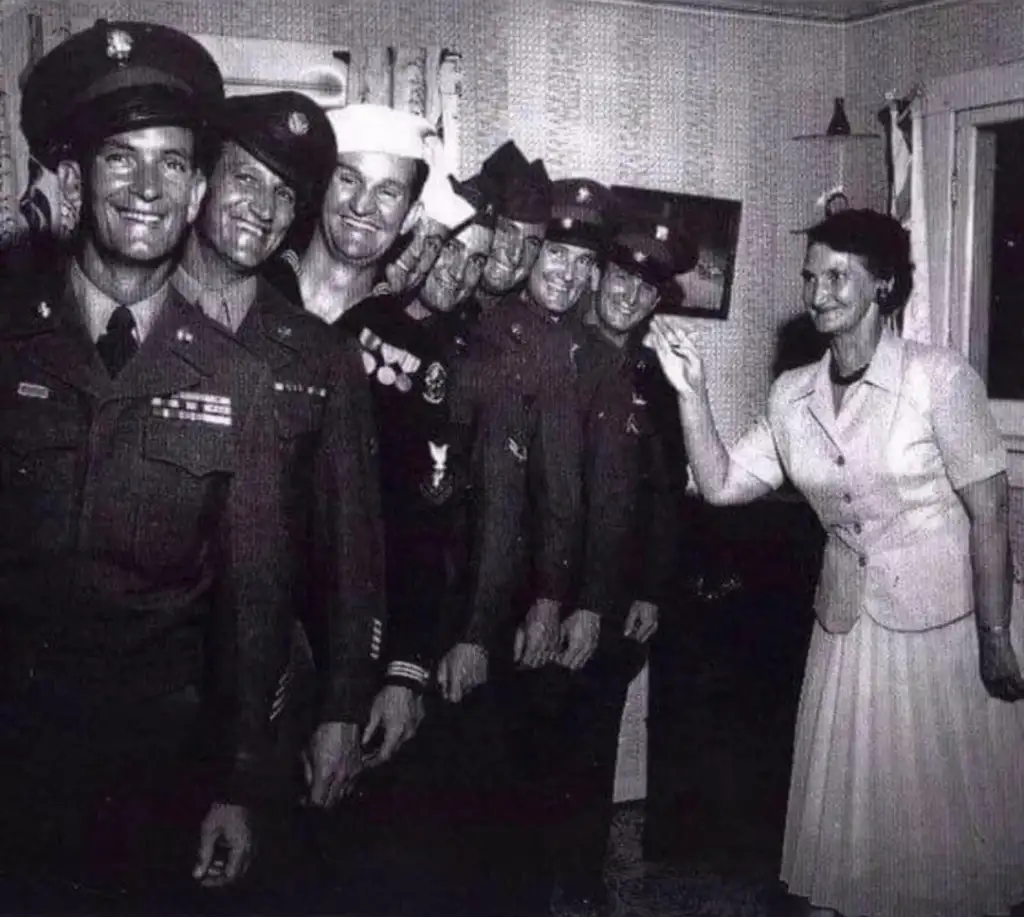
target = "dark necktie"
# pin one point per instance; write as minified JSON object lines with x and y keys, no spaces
{"x":117,"y":344}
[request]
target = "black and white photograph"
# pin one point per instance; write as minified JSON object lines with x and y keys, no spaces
{"x":449,"y":469}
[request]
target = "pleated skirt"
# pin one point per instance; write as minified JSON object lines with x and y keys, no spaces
{"x":907,"y":791}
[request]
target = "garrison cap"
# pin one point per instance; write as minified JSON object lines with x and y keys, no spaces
{"x":655,"y":250}
{"x":289,"y":133}
{"x":582,"y":213}
{"x":115,"y":77}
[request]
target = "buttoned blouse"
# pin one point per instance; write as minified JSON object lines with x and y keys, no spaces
{"x":882,"y":474}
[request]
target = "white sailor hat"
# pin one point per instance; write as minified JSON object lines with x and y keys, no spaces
{"x":443,"y":204}
{"x":367,"y":128}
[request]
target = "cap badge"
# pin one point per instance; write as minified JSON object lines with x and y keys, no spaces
{"x":298,"y":123}
{"x":583,"y":195}
{"x":640,"y":257}
{"x":661,"y":233}
{"x":43,"y":309}
{"x":119,"y":45}
{"x":566,"y":223}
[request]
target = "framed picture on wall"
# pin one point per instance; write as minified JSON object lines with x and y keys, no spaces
{"x":714,"y":223}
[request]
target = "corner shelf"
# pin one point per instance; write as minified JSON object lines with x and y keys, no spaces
{"x":834,"y":137}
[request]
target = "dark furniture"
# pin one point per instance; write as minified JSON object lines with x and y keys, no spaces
{"x":725,"y":678}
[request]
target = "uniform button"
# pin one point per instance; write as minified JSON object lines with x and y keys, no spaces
{"x":841,"y":460}
{"x":857,"y":528}
{"x":862,"y":560}
{"x":847,"y":498}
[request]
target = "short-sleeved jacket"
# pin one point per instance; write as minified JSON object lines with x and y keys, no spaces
{"x":882,"y":476}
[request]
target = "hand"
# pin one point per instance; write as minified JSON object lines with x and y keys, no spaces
{"x":680,"y":360}
{"x":541,"y":635}
{"x":225,"y":846}
{"x":580,"y":632}
{"x":463,"y":668}
{"x":397,"y":711}
{"x":999,"y":669}
{"x":331,"y":762}
{"x":642,"y":621}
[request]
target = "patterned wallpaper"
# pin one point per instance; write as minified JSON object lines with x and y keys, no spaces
{"x":701,"y":103}
{"x":684,"y":101}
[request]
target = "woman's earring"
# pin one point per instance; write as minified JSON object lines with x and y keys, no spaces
{"x":68,"y":219}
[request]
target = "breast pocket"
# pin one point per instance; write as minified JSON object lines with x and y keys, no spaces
{"x":179,"y":496}
{"x":40,"y":446}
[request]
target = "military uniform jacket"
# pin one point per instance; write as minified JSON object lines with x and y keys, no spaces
{"x":634,"y":478}
{"x":142,"y":521}
{"x":515,"y":391}
{"x":328,"y":443}
{"x":422,"y":483}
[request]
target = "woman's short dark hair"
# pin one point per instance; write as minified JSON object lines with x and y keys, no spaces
{"x":877,"y":238}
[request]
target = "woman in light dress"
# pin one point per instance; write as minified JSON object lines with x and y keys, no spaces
{"x":907,"y":790}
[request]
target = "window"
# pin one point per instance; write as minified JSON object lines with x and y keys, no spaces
{"x":974,"y":144}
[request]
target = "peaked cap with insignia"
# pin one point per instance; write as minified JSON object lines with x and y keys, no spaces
{"x":115,"y":77}
{"x":582,"y":213}
{"x":289,"y":133}
{"x":653,"y":250}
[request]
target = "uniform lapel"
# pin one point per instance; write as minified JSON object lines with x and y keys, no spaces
{"x":267,"y":329}
{"x":170,"y":359}
{"x":62,"y":349}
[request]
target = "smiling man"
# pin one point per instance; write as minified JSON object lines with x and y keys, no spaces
{"x":371,"y":200}
{"x":141,"y":598}
{"x":633,"y":483}
{"x":407,"y":344}
{"x":522,"y":207}
{"x":277,"y":155}
{"x":516,"y":387}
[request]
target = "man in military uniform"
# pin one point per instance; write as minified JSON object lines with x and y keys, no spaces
{"x":371,"y":201}
{"x":141,"y":593}
{"x":522,"y":204}
{"x":515,"y":390}
{"x":407,"y":343}
{"x":276,"y":158}
{"x":633,"y":483}
{"x":515,"y":387}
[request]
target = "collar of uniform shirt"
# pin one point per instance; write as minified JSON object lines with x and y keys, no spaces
{"x":228,"y":305}
{"x":96,"y":307}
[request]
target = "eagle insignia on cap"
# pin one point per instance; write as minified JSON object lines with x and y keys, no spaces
{"x":298,"y":123}
{"x":661,"y":233}
{"x":640,"y":257}
{"x":119,"y":45}
{"x":566,"y":223}
{"x":583,"y":195}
